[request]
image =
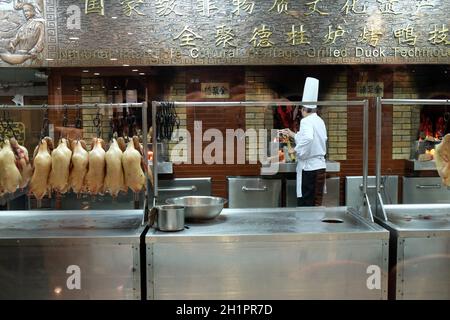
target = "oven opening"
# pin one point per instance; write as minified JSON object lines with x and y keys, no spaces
{"x":434,"y":125}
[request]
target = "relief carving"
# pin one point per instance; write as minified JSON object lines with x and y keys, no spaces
{"x":22,"y":40}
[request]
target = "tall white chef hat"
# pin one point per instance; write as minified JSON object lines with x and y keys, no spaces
{"x":311,"y":91}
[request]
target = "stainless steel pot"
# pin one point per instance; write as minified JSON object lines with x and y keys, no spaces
{"x":168,"y":217}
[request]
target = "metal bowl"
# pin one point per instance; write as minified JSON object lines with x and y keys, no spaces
{"x":14,"y":58}
{"x":199,"y":207}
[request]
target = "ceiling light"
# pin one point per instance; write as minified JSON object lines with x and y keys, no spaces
{"x":135,"y":70}
{"x":113,"y":59}
{"x":96,"y":74}
{"x":85,"y":71}
{"x":126,"y":65}
{"x":142,"y":73}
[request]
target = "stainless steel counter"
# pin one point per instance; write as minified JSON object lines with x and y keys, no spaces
{"x":332,"y":166}
{"x":419,"y":251}
{"x":42,"y":252}
{"x":280,"y":223}
{"x":282,"y":253}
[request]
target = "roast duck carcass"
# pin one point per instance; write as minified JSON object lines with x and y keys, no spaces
{"x":114,"y":179}
{"x":42,"y":165}
{"x":442,"y":157}
{"x":79,"y":167}
{"x":22,"y":162}
{"x":10,"y":177}
{"x":133,"y":165}
{"x":96,"y":174}
{"x":59,"y":175}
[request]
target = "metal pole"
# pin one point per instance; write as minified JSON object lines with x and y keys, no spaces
{"x":378,"y":143}
{"x":365,"y":145}
{"x":415,"y":101}
{"x":262,"y":103}
{"x":75,"y":106}
{"x":155,"y":153}
{"x":145,"y":143}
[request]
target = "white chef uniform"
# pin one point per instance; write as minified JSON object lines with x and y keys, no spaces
{"x":311,"y":139}
{"x":310,"y":146}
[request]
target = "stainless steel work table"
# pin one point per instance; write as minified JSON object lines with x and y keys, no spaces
{"x":70,"y":254}
{"x":273,"y":253}
{"x":420,"y":250}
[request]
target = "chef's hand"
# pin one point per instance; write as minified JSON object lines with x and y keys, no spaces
{"x":287,"y":132}
{"x":291,"y":150}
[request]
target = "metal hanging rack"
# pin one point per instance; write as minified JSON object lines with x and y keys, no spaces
{"x":97,"y":106}
{"x":263,"y":104}
{"x":380,"y":206}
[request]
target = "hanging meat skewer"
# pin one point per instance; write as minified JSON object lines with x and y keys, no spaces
{"x":442,"y":157}
{"x":42,"y":165}
{"x":80,"y":162}
{"x":96,"y":173}
{"x":114,"y":179}
{"x":59,"y":175}
{"x":22,"y":162}
{"x":133,"y":166}
{"x":10,"y":176}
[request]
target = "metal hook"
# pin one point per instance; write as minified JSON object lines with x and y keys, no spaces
{"x":97,"y":121}
{"x":65,"y":117}
{"x":78,"y":121}
{"x":45,"y":122}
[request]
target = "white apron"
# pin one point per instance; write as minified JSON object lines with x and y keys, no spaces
{"x":300,"y":167}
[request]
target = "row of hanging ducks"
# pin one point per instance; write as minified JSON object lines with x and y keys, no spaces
{"x":111,"y":168}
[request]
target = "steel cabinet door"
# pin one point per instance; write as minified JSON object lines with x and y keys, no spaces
{"x":424,"y":190}
{"x":354,"y":192}
{"x":180,"y":187}
{"x":245,"y":192}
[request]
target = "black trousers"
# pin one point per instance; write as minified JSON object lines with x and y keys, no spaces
{"x":312,"y":188}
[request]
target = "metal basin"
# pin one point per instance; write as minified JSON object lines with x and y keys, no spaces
{"x":199,"y":207}
{"x":14,"y":58}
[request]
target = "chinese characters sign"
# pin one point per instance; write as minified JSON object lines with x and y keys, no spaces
{"x":369,"y":89}
{"x":227,"y":32}
{"x":215,"y":90}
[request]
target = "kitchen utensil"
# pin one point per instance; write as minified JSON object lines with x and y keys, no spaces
{"x":199,"y":207}
{"x":167,"y":217}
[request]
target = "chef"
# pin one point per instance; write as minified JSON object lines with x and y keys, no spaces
{"x":310,"y":147}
